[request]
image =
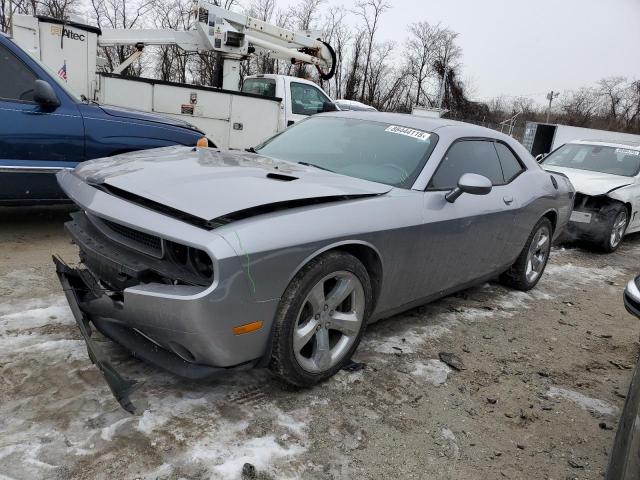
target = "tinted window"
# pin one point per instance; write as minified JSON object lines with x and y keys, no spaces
{"x":375,"y":151}
{"x":468,"y":156}
{"x":16,"y":80}
{"x":510,"y":164}
{"x":306,"y":100}
{"x":260,"y":86}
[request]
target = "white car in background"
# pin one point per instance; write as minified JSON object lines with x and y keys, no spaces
{"x":355,"y":106}
{"x":606,"y":176}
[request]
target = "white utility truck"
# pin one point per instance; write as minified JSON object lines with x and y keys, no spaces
{"x":230,"y":117}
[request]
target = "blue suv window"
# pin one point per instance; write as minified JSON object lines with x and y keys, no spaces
{"x":16,"y":81}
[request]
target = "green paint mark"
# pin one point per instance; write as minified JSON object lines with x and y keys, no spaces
{"x":251,"y":282}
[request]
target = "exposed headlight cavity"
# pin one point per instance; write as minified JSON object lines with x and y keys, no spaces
{"x":198,"y":261}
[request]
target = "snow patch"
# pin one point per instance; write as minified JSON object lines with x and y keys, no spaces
{"x":451,"y":438}
{"x":592,"y":405}
{"x":107,"y":433}
{"x":31,"y":314}
{"x":226,"y":448}
{"x":433,"y":371}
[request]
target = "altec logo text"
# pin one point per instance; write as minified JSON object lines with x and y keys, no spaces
{"x":58,"y":31}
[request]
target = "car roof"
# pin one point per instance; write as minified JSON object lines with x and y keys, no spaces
{"x":426,"y":124}
{"x":610,"y":143}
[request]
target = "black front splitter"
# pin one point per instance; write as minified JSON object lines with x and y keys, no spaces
{"x":72,"y":280}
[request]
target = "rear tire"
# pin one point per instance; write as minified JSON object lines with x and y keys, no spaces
{"x":615,"y":229}
{"x":320,"y":319}
{"x":527,"y":270}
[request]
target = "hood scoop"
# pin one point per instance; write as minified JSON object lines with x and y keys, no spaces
{"x":281,"y":177}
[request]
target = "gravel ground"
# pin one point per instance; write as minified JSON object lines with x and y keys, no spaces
{"x":544,"y":379}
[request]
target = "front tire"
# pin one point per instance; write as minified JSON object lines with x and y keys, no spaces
{"x":321,"y":319}
{"x":527,"y":270}
{"x":615,"y":229}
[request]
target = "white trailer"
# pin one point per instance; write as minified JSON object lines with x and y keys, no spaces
{"x":542,"y":138}
{"x":230,"y":118}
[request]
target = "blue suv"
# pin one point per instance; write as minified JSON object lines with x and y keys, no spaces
{"x":45,"y":127}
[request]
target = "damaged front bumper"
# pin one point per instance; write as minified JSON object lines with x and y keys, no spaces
{"x":87,"y":301}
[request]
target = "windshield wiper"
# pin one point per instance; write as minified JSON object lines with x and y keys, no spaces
{"x":307,"y":164}
{"x":250,"y":150}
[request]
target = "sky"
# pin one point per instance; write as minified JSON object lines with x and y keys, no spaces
{"x":524,"y":47}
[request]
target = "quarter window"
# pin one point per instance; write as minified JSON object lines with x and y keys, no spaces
{"x":16,"y":80}
{"x":510,"y":164}
{"x":467,"y":156}
{"x":306,"y":99}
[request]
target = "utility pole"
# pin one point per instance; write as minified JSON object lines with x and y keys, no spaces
{"x":550,"y":96}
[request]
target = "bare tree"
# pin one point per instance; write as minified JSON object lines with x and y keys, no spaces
{"x":370,"y":11}
{"x":353,"y":80}
{"x":337,"y":35}
{"x":304,"y":16}
{"x":172,"y":61}
{"x":123,"y":14}
{"x":422,"y":48}
{"x":580,"y":106}
{"x":57,"y":8}
{"x":60,"y":9}
{"x":612,"y":91}
{"x":379,"y":68}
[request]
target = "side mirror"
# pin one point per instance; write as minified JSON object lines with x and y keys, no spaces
{"x":44,"y":95}
{"x":540,"y":157}
{"x":470,"y":183}
{"x":329,"y":107}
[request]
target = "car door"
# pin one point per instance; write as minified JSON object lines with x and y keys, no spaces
{"x":466,"y":239}
{"x":35,"y":142}
{"x":305,"y":100}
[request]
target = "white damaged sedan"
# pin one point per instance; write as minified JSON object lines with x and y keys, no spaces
{"x":606,"y":176}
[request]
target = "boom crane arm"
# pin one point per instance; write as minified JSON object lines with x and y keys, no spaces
{"x":235,"y":37}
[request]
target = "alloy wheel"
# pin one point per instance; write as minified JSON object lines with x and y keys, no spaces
{"x":619,"y":227}
{"x":329,"y":321}
{"x":538,"y":253}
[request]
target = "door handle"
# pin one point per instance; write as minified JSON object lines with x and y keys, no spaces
{"x":507,"y":200}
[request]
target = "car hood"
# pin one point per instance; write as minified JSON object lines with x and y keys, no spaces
{"x":210,"y":183}
{"x":130,"y":113}
{"x":591,"y":183}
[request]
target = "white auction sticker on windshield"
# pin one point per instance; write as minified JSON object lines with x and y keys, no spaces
{"x":625,"y":151}
{"x":409,"y":132}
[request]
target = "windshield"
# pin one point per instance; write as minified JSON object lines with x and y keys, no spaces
{"x":375,"y":151}
{"x":596,"y":158}
{"x":260,"y":86}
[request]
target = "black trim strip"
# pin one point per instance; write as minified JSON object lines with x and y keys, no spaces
{"x":190,"y":86}
{"x":81,"y":26}
{"x":155,"y":206}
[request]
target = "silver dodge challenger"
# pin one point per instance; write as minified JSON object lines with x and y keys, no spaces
{"x":200,"y":260}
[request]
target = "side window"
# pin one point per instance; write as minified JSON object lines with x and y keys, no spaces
{"x":305,"y":99}
{"x":467,"y":156}
{"x":511,"y":166}
{"x":16,"y":80}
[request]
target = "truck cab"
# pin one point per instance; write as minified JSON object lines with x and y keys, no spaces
{"x":46,"y":127}
{"x":300,"y":97}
